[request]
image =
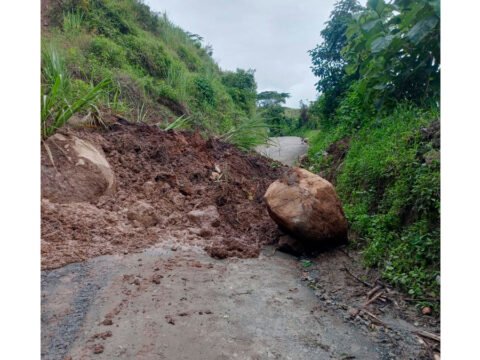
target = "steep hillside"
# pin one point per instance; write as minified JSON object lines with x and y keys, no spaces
{"x":149,"y":70}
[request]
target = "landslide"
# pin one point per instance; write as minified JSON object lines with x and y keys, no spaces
{"x":170,"y":174}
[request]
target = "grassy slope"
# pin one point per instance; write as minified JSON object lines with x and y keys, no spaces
{"x":158,"y":71}
{"x":389,"y":182}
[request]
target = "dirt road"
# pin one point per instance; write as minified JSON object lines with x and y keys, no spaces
{"x":165,"y":304}
{"x":285,"y":149}
{"x":179,"y":303}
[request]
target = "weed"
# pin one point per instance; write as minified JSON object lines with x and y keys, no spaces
{"x":72,"y":22}
{"x":248,"y":134}
{"x":306,"y":263}
{"x":180,"y":123}
{"x":57,"y":103}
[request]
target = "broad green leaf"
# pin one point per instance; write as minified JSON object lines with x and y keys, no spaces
{"x":372,"y":4}
{"x":371,"y":24}
{"x":421,"y":29}
{"x":381,"y":43}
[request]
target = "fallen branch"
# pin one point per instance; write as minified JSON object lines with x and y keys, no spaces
{"x":373,"y":291}
{"x":345,"y":253}
{"x":373,"y":298}
{"x":50,"y":156}
{"x":356,"y":277}
{"x":428,"y":335}
{"x":376,"y":319}
{"x":248,"y":292}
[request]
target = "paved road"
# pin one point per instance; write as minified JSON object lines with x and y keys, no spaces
{"x":286,"y":149}
{"x":164,"y":304}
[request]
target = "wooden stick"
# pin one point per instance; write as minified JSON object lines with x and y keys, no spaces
{"x":428,"y":335}
{"x":373,"y":291}
{"x":356,"y":277}
{"x":375,"y":318}
{"x":373,"y":298}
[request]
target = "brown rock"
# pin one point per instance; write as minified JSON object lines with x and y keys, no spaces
{"x":204,"y":217}
{"x":107,"y":322}
{"x":98,"y":349}
{"x":307,"y":207}
{"x":144,"y":213}
{"x":74,"y":170}
{"x":157,"y":278}
{"x":427,"y":310}
{"x":103,"y":335}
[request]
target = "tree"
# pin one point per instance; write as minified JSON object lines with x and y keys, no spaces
{"x":269,"y":98}
{"x":273,"y":113}
{"x":394,"y":48}
{"x":327,"y":59}
{"x":242,"y":88}
{"x":303,"y":118}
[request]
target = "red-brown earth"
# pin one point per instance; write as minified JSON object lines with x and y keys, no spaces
{"x":166,"y":174}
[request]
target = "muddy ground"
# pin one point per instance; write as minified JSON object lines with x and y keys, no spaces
{"x":178,"y":289}
{"x":172,"y":172}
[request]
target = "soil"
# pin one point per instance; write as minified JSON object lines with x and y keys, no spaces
{"x":171,"y":172}
{"x":334,"y":156}
{"x":359,"y":296}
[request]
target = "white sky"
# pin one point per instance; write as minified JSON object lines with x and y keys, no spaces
{"x":270,"y":36}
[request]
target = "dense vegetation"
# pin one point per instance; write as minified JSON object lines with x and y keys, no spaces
{"x":378,"y":139}
{"x":102,"y":57}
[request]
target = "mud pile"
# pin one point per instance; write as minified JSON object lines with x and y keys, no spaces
{"x":172,"y":188}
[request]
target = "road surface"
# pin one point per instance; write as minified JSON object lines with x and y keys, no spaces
{"x":164,"y":304}
{"x":285,"y":149}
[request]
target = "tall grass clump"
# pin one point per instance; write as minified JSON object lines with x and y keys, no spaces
{"x":247,"y":134}
{"x":72,"y":22}
{"x":59,"y":101}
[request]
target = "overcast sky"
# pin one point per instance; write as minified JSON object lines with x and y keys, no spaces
{"x":270,"y":36}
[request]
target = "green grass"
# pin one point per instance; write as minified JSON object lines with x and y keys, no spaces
{"x":59,"y":99}
{"x":390,"y":194}
{"x":247,"y":134}
{"x":146,"y":57}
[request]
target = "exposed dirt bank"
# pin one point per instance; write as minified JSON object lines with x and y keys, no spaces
{"x":169,"y":175}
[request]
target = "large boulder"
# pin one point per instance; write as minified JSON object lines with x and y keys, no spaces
{"x":74,"y":170}
{"x":307,"y":207}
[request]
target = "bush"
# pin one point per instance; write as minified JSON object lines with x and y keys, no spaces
{"x":106,"y":53}
{"x":390,"y":186}
{"x":150,"y":56}
{"x":204,"y":92}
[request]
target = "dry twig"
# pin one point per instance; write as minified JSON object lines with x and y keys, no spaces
{"x":428,"y":335}
{"x":373,"y":298}
{"x":356,"y":277}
